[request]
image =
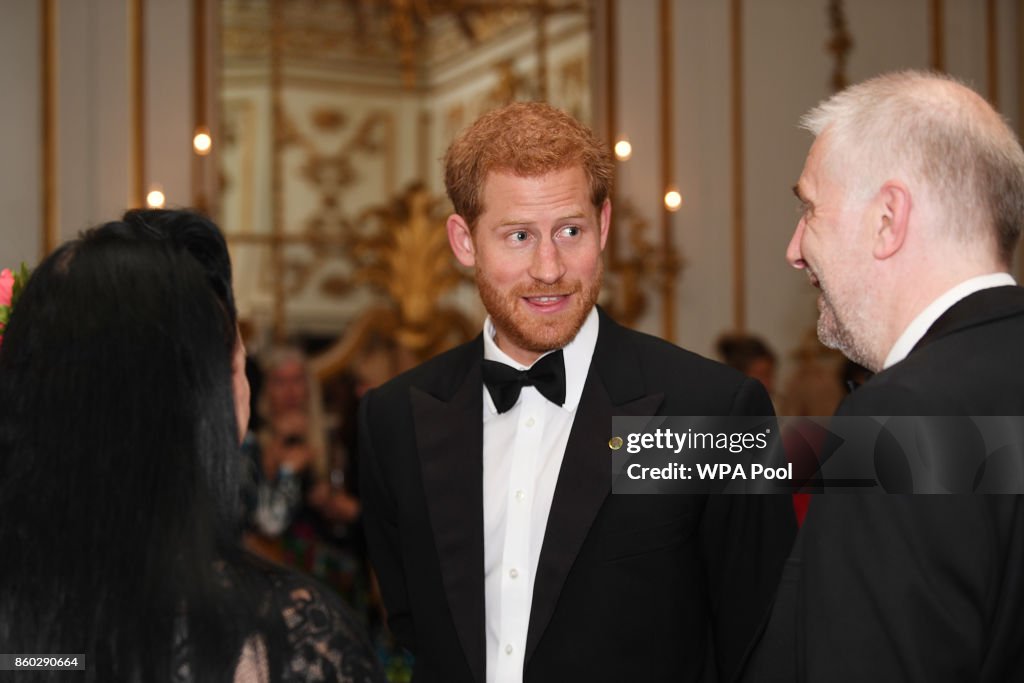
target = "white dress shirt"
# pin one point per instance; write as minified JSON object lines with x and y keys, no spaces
{"x":926,"y":318}
{"x":523,"y":450}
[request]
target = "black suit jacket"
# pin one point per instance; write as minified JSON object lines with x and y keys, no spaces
{"x":915,"y":588}
{"x":628,"y":587}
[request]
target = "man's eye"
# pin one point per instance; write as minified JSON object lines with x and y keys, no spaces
{"x":571,"y":230}
{"x":519,"y":236}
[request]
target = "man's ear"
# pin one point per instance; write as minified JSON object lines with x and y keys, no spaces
{"x":605,"y":217}
{"x":460,"y":237}
{"x":893,"y":219}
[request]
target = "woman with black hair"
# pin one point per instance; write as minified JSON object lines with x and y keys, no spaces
{"x":122,"y":401}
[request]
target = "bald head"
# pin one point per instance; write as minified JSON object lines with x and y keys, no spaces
{"x":940,"y":137}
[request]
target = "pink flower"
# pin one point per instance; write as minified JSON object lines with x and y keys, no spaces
{"x":6,"y":286}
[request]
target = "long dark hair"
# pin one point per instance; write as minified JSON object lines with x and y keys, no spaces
{"x":119,"y":456}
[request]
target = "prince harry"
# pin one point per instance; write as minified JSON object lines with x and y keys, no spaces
{"x":501,"y":553}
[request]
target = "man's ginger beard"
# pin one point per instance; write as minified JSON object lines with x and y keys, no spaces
{"x":537,"y":332}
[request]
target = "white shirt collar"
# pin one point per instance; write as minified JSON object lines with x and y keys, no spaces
{"x":577,"y":355}
{"x":926,"y":318}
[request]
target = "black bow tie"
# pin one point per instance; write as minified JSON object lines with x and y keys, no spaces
{"x":505,"y":382}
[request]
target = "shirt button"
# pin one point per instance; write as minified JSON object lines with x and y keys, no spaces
{"x":520,"y":495}
{"x":530,"y":422}
{"x":508,"y":649}
{"x":514,"y":573}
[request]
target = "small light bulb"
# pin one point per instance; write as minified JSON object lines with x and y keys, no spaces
{"x":673,"y":200}
{"x":155,"y":199}
{"x":202,"y":142}
{"x":623,"y":150}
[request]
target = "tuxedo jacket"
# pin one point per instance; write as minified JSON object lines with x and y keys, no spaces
{"x":628,"y":587}
{"x":915,"y":588}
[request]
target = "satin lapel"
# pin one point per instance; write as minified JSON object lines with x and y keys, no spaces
{"x":585,"y":478}
{"x":976,"y":309}
{"x":449,"y":438}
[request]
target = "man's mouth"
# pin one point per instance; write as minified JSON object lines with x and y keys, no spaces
{"x":546,"y":303}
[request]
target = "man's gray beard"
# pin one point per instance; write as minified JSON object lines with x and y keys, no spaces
{"x":836,"y":335}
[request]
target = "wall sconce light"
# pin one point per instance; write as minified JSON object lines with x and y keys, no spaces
{"x":673,"y":200}
{"x":201,"y":141}
{"x":155,"y":198}
{"x":623,"y":150}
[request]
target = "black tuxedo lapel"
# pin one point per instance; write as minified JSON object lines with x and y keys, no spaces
{"x":449,"y":439}
{"x":976,"y":309}
{"x":613,"y":387}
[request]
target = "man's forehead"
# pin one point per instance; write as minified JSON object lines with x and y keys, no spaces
{"x":565,"y":186}
{"x":539,"y":176}
{"x":812,"y":168}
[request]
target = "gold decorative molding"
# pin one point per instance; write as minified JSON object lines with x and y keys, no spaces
{"x":398,"y":36}
{"x":630,"y":277}
{"x":200,"y":111}
{"x":739,"y":261}
{"x":410,"y":260}
{"x":611,"y":93}
{"x":992,"y":51}
{"x":137,"y":96}
{"x":510,"y":85}
{"x":542,"y":51}
{"x":331,"y":174}
{"x":573,"y":82}
{"x":49,"y":95}
{"x":424,"y":124}
{"x":279,"y":140}
{"x":238,"y":129}
{"x":639,"y":262}
{"x":469,"y":76}
{"x":840,"y":44}
{"x":400,"y":252}
{"x":937,"y":38}
{"x":668,"y":150}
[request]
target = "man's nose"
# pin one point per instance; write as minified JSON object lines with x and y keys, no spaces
{"x":547,"y":265}
{"x":793,"y":252}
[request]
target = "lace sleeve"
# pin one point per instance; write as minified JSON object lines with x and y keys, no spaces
{"x":326,"y":643}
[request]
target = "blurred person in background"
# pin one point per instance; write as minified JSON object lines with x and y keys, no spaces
{"x":749,"y":354}
{"x":298,"y":504}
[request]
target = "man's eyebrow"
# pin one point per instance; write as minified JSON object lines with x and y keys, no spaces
{"x":574,"y":215}
{"x":511,"y":222}
{"x":571,"y":215}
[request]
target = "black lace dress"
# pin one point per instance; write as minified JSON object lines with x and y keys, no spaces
{"x":323,"y":639}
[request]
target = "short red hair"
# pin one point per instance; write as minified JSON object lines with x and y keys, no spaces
{"x":527,"y":139}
